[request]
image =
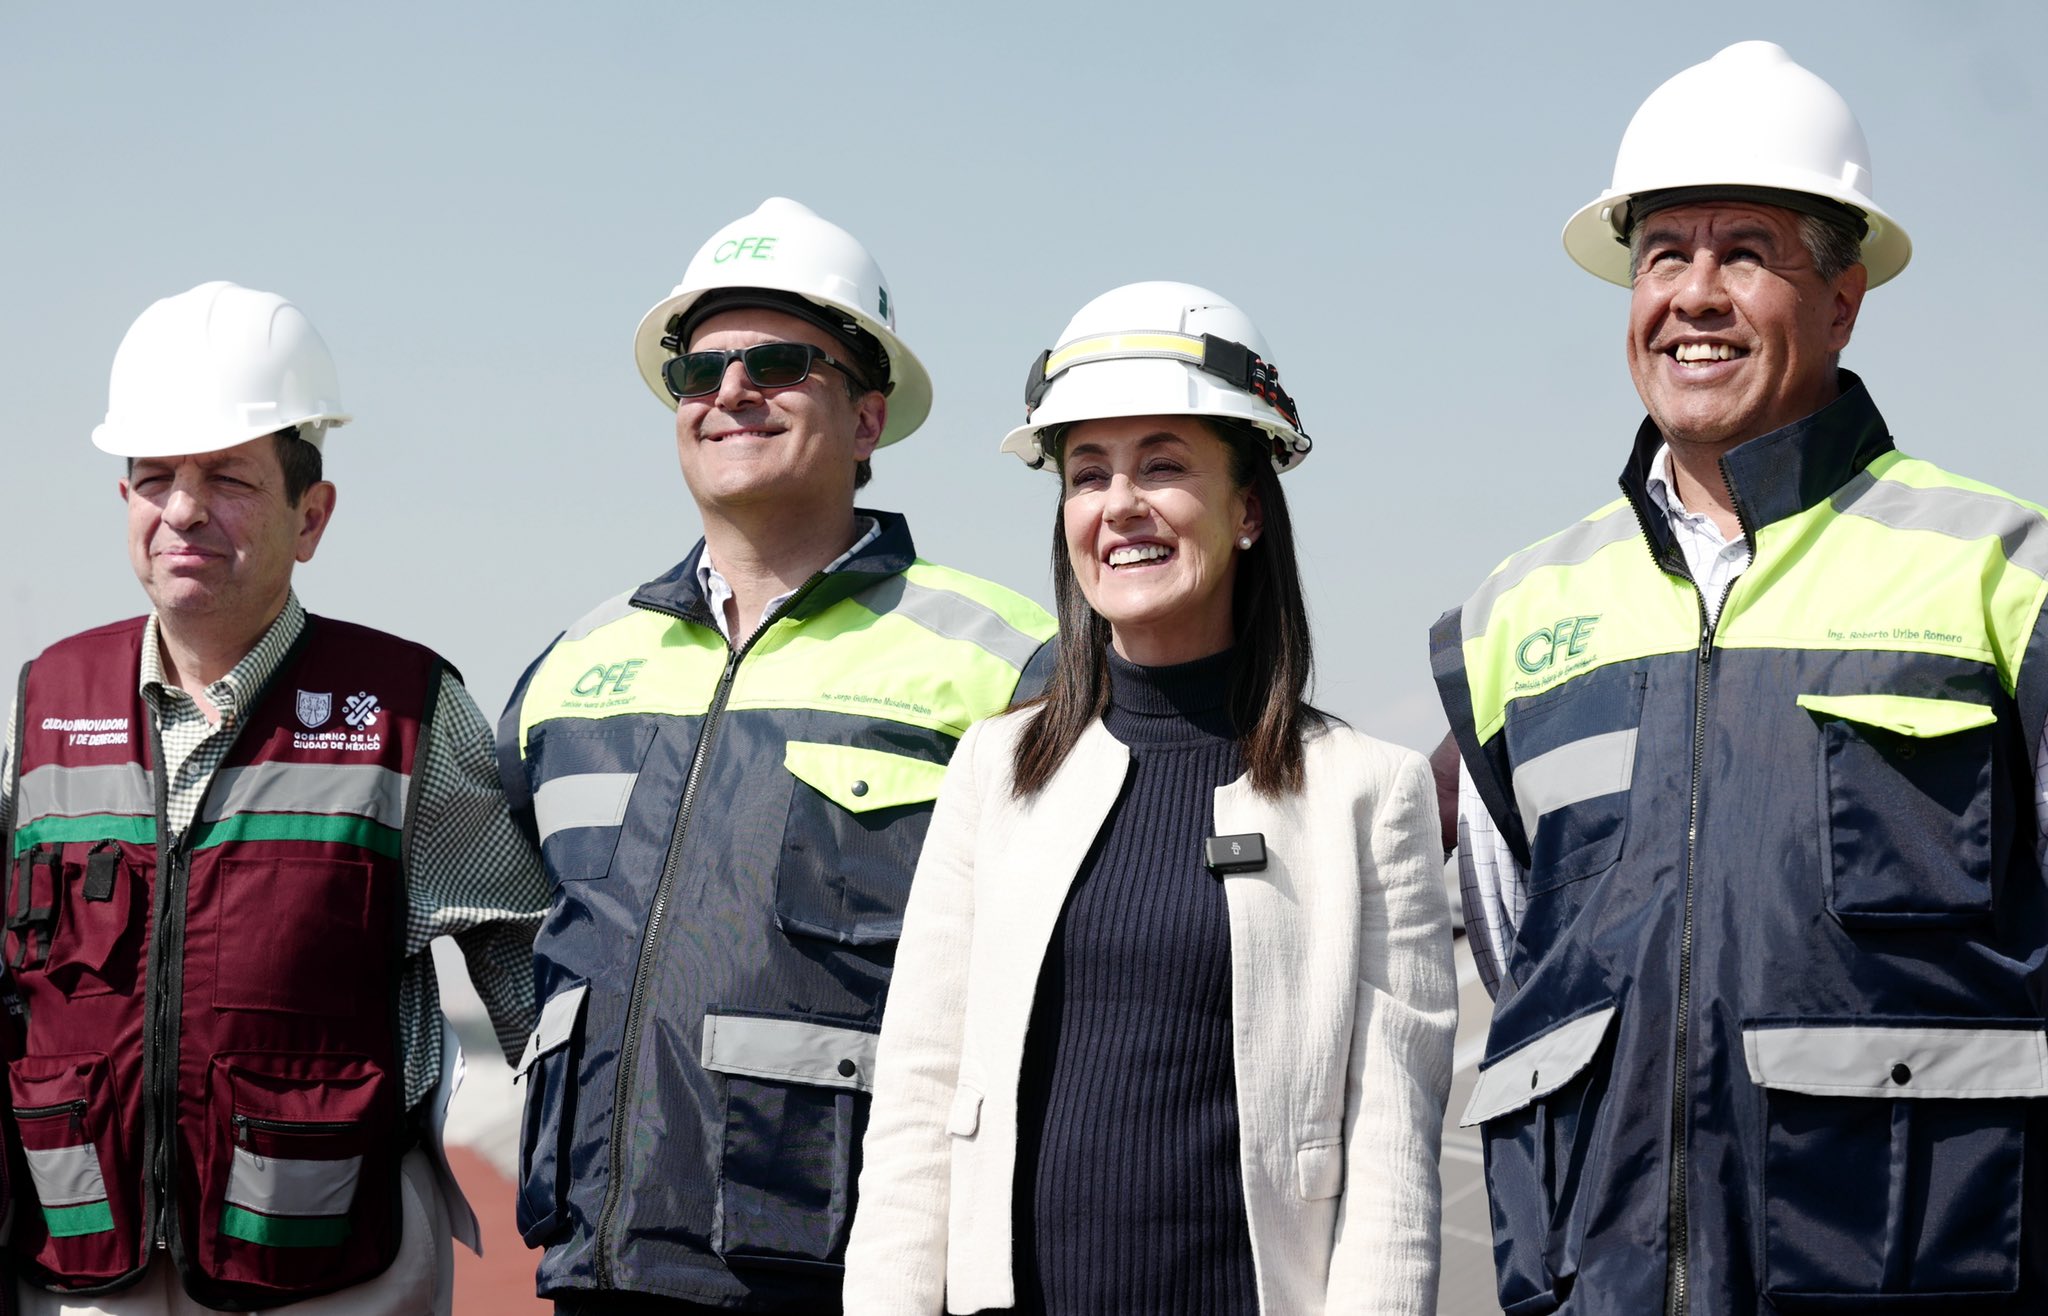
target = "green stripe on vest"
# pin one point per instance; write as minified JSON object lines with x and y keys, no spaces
{"x":96,"y":827}
{"x":72,"y":1221}
{"x":283,"y":1231}
{"x":359,"y":832}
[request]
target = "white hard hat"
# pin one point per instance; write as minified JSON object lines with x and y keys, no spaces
{"x":784,"y":247}
{"x":1158,"y":349}
{"x":216,"y":367}
{"x":1749,"y":118}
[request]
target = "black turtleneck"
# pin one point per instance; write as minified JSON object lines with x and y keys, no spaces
{"x":1129,"y":1196}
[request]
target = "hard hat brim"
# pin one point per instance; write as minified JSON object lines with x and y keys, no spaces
{"x":910,"y":394}
{"x":1594,"y":244}
{"x":130,"y":441}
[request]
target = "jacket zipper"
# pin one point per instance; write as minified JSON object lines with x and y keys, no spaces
{"x":167,"y":947}
{"x":630,"y":1054}
{"x":245,"y":1123}
{"x":75,"y":1109}
{"x":1677,"y":1300}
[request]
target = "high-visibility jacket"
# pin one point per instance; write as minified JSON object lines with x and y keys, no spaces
{"x":729,"y":834}
{"x":211,"y":1059}
{"x":1771,"y":1031}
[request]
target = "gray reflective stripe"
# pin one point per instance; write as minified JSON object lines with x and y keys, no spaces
{"x":1538,"y":1069}
{"x":1957,"y":513}
{"x":793,"y":1050}
{"x":59,"y":792}
{"x":362,"y":789}
{"x":1582,"y":770}
{"x":557,"y":1025}
{"x":272,"y":1185}
{"x":954,"y":616}
{"x":1861,"y":1060}
{"x":1568,"y":549}
{"x":604,"y":614}
{"x":583,"y":799}
{"x":67,"y":1176}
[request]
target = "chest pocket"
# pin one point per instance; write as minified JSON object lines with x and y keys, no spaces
{"x":1574,"y":764}
{"x":857,"y":820}
{"x":580,"y":807}
{"x":1906,"y":792}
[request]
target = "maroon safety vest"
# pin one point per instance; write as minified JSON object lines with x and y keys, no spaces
{"x":211,"y":1061}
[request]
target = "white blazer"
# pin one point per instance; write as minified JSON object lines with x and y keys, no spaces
{"x":1343,"y":1006}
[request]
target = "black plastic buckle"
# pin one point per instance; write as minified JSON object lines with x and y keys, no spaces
{"x":1035,"y":383}
{"x":672,"y":340}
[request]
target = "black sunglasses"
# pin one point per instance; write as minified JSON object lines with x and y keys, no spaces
{"x":768,"y":365}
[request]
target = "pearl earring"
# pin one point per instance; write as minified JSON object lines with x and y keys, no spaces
{"x":1244,"y":541}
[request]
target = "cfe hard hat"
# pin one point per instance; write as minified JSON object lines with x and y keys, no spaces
{"x":215,"y":367}
{"x":785,"y":248}
{"x":1158,"y":349}
{"x":1750,"y":120}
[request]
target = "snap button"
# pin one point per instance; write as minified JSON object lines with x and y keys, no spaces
{"x":860,"y":788}
{"x":1907,"y":750}
{"x":1901,"y":1075}
{"x":847,"y":1069}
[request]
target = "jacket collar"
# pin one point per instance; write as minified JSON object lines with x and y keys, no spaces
{"x":890,"y":554}
{"x":1775,"y":476}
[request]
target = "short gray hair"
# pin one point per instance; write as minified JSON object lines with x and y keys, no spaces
{"x":1833,"y":246}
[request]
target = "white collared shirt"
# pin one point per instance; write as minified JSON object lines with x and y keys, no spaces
{"x":717,"y":590}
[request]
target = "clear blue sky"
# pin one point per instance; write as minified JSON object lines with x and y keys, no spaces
{"x":475,"y":203}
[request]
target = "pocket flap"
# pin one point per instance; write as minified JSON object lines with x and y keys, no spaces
{"x":1904,"y":715}
{"x":1319,"y":1169}
{"x":1536,"y":1068}
{"x":1897,"y":1060}
{"x":964,"y":1120}
{"x":557,"y":1025}
{"x":860,"y":780}
{"x":792,"y":1050}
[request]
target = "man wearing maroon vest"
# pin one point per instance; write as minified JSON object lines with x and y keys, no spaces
{"x":230,"y":831}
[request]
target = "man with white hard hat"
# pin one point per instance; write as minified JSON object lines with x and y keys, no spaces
{"x":1752,"y":792}
{"x":729,"y":770}
{"x":230,"y":830}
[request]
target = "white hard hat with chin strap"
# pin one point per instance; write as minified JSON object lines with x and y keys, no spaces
{"x":216,"y":367}
{"x":1158,"y":349}
{"x":1747,"y":125}
{"x":785,"y":250}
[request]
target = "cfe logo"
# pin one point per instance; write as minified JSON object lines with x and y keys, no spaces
{"x":1539,"y":649}
{"x":759,"y":247}
{"x":614,"y":677}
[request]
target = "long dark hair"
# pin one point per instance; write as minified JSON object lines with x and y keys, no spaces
{"x":1269,"y":616}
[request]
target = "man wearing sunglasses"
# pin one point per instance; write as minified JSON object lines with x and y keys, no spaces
{"x":729,"y":771}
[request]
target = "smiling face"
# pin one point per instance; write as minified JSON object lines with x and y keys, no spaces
{"x":1152,"y":515}
{"x":789,"y":450}
{"x":1731,"y":332}
{"x":213,"y":540}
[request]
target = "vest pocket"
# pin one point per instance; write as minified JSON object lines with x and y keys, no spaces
{"x":1892,"y":1159}
{"x":796,"y":1104}
{"x":298,"y":1174}
{"x":857,"y":819}
{"x":1906,"y":795}
{"x":549,"y":1116}
{"x":81,"y":1225}
{"x":580,"y":808}
{"x":293,"y":933}
{"x":1539,"y":1106}
{"x":1575,"y":763}
{"x":69,"y":917}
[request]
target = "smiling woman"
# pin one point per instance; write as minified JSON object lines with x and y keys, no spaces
{"x":1091,"y":1092}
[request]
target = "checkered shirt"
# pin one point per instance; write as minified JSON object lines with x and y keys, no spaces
{"x":470,"y":874}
